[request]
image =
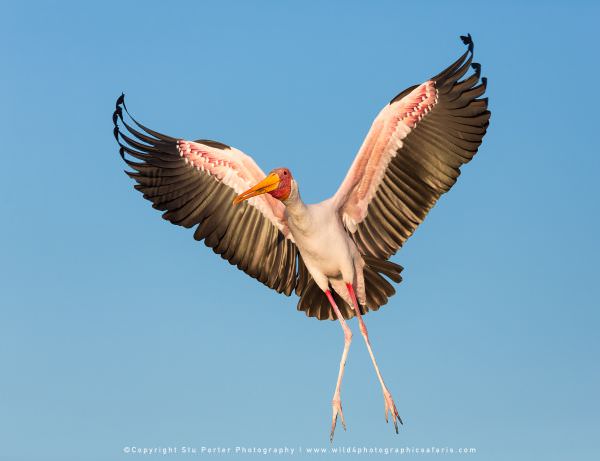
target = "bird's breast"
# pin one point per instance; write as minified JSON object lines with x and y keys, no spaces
{"x":322,"y":241}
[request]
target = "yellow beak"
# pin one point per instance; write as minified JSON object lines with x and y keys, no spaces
{"x":268,"y":184}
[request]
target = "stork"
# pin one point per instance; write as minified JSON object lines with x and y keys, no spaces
{"x":334,"y":254}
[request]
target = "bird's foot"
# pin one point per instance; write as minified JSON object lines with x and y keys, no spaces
{"x":390,"y":407}
{"x":336,"y":405}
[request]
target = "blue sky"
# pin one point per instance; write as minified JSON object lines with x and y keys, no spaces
{"x":118,"y":329}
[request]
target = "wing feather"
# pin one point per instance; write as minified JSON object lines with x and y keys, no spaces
{"x":410,"y":157}
{"x":194,"y":183}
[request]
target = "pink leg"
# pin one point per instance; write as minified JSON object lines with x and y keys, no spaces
{"x":336,"y":403}
{"x":390,"y":406}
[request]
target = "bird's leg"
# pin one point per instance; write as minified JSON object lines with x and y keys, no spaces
{"x":390,"y":406}
{"x":336,"y":403}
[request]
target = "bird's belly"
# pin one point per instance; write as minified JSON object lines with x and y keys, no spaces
{"x":327,"y":252}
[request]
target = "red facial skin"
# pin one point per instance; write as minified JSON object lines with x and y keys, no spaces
{"x":285,"y":184}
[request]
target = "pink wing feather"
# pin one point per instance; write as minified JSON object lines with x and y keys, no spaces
{"x":194,"y":183}
{"x":384,"y":140}
{"x":411,"y":155}
{"x":237,"y":170}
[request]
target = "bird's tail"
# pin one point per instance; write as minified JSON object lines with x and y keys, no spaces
{"x":377,"y":289}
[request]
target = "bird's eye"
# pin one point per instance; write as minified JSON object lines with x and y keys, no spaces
{"x":285,"y":173}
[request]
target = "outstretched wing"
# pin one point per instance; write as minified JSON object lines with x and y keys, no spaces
{"x":194,"y":183}
{"x":412,"y":155}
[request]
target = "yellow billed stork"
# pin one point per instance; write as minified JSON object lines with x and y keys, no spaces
{"x":334,"y":254}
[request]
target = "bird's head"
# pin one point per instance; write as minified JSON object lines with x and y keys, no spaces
{"x":278,"y":184}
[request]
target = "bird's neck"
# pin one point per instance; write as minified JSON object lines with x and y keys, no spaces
{"x":293,"y":204}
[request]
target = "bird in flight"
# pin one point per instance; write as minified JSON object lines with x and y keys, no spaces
{"x":333,"y":255}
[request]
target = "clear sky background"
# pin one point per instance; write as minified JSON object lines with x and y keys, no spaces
{"x":118,"y":329}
